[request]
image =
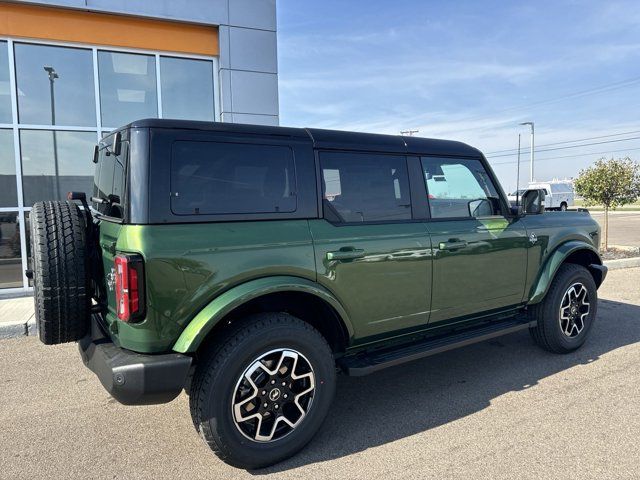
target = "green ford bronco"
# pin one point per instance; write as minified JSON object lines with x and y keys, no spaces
{"x":247,"y":265}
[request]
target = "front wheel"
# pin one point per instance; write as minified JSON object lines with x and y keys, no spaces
{"x":262,"y":391}
{"x":568,"y":311}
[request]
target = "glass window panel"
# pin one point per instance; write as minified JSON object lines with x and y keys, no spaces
{"x":110,"y":180}
{"x":42,"y":150}
{"x":218,"y":178}
{"x":187,"y":88}
{"x":5,"y":89}
{"x":127,"y":87}
{"x":10,"y":252}
{"x":73,"y":99}
{"x":459,"y":188}
{"x":360,"y":187}
{"x":8,"y":189}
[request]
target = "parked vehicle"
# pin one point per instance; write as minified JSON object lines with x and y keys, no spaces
{"x":559,"y":195}
{"x":246,"y":264}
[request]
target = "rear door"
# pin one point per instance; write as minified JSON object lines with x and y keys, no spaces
{"x":370,"y":250}
{"x":479,"y":261}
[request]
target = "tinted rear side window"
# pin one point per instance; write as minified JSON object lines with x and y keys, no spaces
{"x":110,"y":181}
{"x":363,"y":187}
{"x":231,"y":178}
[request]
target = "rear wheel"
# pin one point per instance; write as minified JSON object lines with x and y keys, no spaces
{"x":563,"y":207}
{"x":566,"y":315}
{"x":60,"y":272}
{"x":263,"y":390}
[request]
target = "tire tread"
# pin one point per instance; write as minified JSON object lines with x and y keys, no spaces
{"x":60,"y":264}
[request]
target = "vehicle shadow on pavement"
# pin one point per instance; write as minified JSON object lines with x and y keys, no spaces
{"x":401,"y":401}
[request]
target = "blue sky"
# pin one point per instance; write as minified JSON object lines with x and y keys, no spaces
{"x":469,"y":71}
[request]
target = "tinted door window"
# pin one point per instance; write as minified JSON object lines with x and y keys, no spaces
{"x":230,"y":178}
{"x":459,"y":188}
{"x":362,"y":187}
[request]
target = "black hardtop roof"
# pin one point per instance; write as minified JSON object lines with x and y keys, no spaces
{"x":326,"y":139}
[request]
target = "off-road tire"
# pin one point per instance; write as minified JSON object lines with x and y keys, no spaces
{"x":223,"y":363}
{"x":60,"y":272}
{"x":548,"y":333}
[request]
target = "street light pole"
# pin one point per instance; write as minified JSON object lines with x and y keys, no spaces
{"x":518,"y":176}
{"x":531,"y":124}
{"x":52,"y":76}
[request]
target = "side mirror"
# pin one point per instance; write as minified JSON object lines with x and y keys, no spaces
{"x":533,"y":202}
{"x":516,"y":210}
{"x":481,"y":207}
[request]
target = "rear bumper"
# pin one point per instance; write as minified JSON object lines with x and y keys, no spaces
{"x":133,"y":378}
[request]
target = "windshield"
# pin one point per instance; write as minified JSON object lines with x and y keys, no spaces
{"x":110,"y":179}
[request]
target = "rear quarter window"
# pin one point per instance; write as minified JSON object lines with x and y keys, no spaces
{"x":231,"y":178}
{"x":110,"y":182}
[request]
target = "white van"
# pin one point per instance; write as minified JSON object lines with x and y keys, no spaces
{"x":558,"y":194}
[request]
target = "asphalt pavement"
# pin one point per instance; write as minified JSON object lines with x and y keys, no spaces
{"x":503,"y":409}
{"x":624,"y":227}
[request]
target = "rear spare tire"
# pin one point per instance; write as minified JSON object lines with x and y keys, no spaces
{"x":60,"y":272}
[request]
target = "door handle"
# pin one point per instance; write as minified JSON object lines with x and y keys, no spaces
{"x":452,"y":245}
{"x":345,"y":254}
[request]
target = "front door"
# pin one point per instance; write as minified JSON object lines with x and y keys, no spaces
{"x":479,"y":261}
{"x":369,"y":251}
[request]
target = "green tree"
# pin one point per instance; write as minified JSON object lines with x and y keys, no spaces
{"x":610,"y":183}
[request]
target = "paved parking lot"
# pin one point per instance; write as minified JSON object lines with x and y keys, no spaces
{"x":502,"y":409}
{"x":624,"y":227}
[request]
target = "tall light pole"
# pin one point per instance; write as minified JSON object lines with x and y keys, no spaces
{"x":518,"y":175}
{"x":52,"y":76}
{"x":532,"y":147}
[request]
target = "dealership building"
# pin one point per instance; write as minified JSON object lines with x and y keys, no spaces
{"x":72,"y":70}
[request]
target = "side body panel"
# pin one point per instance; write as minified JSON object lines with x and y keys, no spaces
{"x":208,"y":317}
{"x":557,"y":235}
{"x":188,"y":265}
{"x":487,"y":273}
{"x":387,"y":289}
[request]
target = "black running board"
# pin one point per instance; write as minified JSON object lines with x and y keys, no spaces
{"x":363,"y":364}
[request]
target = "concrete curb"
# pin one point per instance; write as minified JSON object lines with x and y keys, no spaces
{"x":623,"y":263}
{"x":13,"y":330}
{"x":18,"y":329}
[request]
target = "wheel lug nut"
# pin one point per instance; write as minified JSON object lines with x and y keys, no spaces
{"x":284,"y":383}
{"x":273,"y":382}
{"x":264,"y":392}
{"x":276,"y":406}
{"x":265,"y":405}
{"x":286,"y":396}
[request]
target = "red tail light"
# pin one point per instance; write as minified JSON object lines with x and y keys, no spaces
{"x":129,"y":287}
